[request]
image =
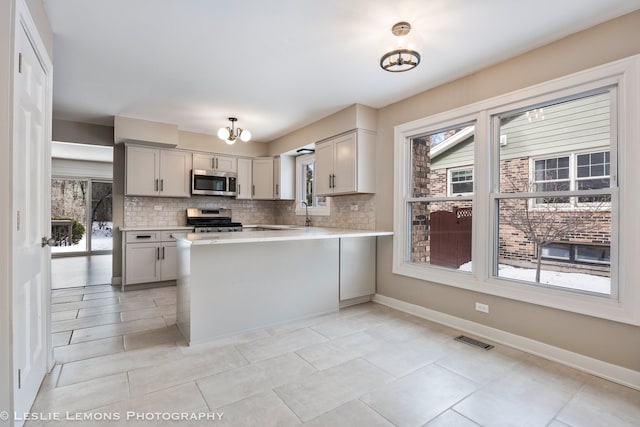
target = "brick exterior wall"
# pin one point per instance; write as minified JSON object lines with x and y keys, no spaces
{"x":589,"y":226}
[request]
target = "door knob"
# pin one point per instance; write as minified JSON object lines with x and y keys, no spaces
{"x":48,"y":241}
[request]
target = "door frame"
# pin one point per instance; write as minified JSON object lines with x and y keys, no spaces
{"x":20,"y":16}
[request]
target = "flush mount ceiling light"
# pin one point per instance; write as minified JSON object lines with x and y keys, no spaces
{"x":230,"y":134}
{"x":403,"y":58}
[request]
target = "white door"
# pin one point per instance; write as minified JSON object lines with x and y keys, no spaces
{"x":31,"y":190}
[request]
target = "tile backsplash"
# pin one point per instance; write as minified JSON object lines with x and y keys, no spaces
{"x":141,"y":211}
{"x":353,"y":212}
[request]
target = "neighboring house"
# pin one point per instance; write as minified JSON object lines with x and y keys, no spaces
{"x":560,"y":147}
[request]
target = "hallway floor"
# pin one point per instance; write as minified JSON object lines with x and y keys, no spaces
{"x":368,"y":365}
{"x":77,"y":271}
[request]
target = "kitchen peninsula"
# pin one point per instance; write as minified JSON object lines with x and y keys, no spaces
{"x":234,"y":282}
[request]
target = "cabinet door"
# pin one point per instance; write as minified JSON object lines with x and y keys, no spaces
{"x":324,"y":168}
{"x":203,"y":161}
{"x":344,"y":167}
{"x":244,"y":179}
{"x":142,"y":263}
{"x":168,"y":261}
{"x":142,"y":171}
{"x":175,"y":173}
{"x":357,"y":267}
{"x":284,"y":177}
{"x":226,"y":164}
{"x":263,"y":179}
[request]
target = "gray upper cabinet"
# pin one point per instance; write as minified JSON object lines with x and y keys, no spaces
{"x":157,"y":172}
{"x":345,"y":164}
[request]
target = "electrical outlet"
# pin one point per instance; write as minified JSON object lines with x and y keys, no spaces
{"x":482,"y":307}
{"x":157,"y":208}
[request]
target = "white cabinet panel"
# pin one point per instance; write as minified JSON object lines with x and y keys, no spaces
{"x":263,"y":178}
{"x":168,"y":261}
{"x":157,"y":172}
{"x":142,"y":263}
{"x":150,"y":256}
{"x":245,"y":180}
{"x":142,"y":171}
{"x":324,"y":168}
{"x":357,"y":267}
{"x":346,"y":164}
{"x":214,"y":162}
{"x":175,"y":169}
{"x":284,"y":172}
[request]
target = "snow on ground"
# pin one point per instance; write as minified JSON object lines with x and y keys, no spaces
{"x":580,"y":281}
{"x":101,"y":239}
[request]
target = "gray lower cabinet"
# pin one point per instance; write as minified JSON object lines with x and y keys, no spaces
{"x":357,"y":267}
{"x":149,"y":256}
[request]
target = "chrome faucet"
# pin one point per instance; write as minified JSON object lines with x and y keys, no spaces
{"x":307,"y":220}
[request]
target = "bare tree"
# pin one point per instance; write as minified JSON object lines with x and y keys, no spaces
{"x":550,"y":219}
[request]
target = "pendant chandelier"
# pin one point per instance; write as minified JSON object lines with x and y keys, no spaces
{"x":402,"y":58}
{"x":230,"y":134}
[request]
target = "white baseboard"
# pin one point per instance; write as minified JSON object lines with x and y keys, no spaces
{"x":608,"y":371}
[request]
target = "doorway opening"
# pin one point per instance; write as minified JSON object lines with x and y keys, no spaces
{"x":81,"y":215}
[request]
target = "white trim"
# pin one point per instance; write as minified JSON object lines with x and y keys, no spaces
{"x":450,"y":192}
{"x":622,"y":307}
{"x":618,"y":374}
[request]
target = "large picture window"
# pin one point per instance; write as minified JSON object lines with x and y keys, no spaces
{"x":529,"y":195}
{"x":572,"y":191}
{"x":440,"y":204}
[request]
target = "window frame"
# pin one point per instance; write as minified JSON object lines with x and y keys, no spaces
{"x":300,"y":210}
{"x":624,"y":305}
{"x":450,"y":183}
{"x":574,"y":203}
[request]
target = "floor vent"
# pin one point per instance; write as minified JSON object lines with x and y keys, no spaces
{"x":473,"y":342}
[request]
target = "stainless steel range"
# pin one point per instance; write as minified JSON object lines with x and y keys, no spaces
{"x":211,"y":220}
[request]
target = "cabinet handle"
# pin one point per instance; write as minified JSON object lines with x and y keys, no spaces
{"x":239,"y":188}
{"x":334,"y":181}
{"x":143,"y":236}
{"x":158,"y":254}
{"x":217,"y":165}
{"x":156,"y":187}
{"x":277,"y":189}
{"x":162,"y":185}
{"x":253,"y":190}
{"x":213,"y":163}
{"x":163,"y":252}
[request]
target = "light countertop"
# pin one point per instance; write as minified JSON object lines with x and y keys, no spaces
{"x":186,"y":228}
{"x":282,"y":234}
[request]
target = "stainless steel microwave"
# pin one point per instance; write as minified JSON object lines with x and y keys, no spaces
{"x":213,"y":183}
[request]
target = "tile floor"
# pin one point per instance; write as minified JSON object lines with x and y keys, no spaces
{"x":121,"y":356}
{"x":77,"y":271}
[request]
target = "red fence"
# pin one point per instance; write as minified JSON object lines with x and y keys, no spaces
{"x":450,"y":237}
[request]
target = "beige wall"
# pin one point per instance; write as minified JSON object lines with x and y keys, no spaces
{"x":82,"y":133}
{"x":605,"y":340}
{"x":355,"y":116}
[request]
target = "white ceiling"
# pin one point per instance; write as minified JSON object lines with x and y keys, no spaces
{"x":278,"y":65}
